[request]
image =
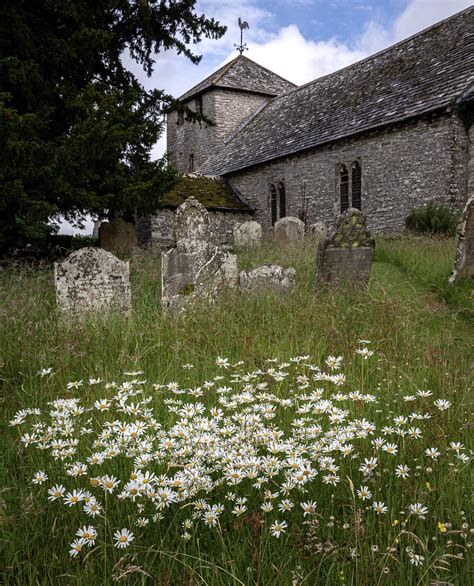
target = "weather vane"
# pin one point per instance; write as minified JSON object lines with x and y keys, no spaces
{"x":243,"y":46}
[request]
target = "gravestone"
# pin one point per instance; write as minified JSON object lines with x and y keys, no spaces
{"x":247,"y":234}
{"x":118,"y":236}
{"x":464,"y":260}
{"x":289,"y":231}
{"x":346,"y":254}
{"x":268,"y":278}
{"x":197,"y":267}
{"x":92,"y":279}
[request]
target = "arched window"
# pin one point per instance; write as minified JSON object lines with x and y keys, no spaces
{"x":356,"y":185}
{"x":273,"y":203}
{"x":282,"y":198}
{"x":191,"y":163}
{"x":344,"y":188}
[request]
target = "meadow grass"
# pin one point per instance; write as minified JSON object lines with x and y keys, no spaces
{"x":421,"y":333}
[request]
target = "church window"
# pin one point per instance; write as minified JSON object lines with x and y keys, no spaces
{"x":273,"y":204}
{"x":356,"y":187}
{"x":199,"y":104}
{"x":180,"y":119}
{"x":282,"y":199}
{"x":191,"y":163}
{"x":344,"y":188}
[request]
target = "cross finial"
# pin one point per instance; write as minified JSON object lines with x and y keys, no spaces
{"x":242,"y":47}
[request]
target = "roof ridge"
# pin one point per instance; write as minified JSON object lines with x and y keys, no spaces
{"x":378,"y":53}
{"x":338,"y":71}
{"x":224,"y":69}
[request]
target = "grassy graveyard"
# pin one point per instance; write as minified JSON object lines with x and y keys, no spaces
{"x":270,"y":460}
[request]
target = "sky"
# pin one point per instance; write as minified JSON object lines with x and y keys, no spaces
{"x":297,"y":39}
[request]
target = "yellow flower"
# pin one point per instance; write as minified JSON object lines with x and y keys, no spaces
{"x":442,"y":527}
{"x":395,"y":522}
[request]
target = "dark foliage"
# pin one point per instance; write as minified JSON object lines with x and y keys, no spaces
{"x":433,"y":218}
{"x":76,"y":126}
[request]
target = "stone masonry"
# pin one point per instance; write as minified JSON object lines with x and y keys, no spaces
{"x":402,"y":167}
{"x":157,"y":232}
{"x":228,"y":107}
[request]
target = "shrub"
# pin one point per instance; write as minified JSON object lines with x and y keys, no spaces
{"x":433,"y":218}
{"x":83,"y":241}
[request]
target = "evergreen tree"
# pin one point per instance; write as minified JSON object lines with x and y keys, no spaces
{"x":76,"y":126}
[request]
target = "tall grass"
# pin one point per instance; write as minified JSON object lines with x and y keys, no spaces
{"x":421,"y":342}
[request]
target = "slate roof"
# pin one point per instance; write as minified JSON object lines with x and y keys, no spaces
{"x":214,"y":193}
{"x":245,"y":75}
{"x":424,"y":73}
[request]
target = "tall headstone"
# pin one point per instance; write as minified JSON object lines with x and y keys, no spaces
{"x":92,"y":279}
{"x":345,"y":256}
{"x":247,"y":234}
{"x":464,"y":260}
{"x":118,"y":236}
{"x":289,"y":231}
{"x":196,"y":267}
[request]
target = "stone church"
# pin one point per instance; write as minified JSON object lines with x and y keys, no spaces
{"x":385,"y":135}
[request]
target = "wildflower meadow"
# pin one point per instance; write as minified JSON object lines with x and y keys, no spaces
{"x":315,"y":438}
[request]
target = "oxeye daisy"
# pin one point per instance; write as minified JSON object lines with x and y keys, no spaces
{"x":123,"y":538}
{"x":40,"y":477}
{"x":76,"y":547}
{"x":364,"y":493}
{"x":277,"y":528}
{"x":56,"y":492}
{"x":379,"y":507}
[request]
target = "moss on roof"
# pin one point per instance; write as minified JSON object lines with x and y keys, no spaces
{"x":211,"y":192}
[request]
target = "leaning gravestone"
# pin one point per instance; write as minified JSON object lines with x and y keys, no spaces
{"x":289,"y":231}
{"x":271,"y":278}
{"x":118,"y":236}
{"x":247,"y":234}
{"x":92,"y":279}
{"x":197,"y":267}
{"x":464,"y":260}
{"x":346,"y":254}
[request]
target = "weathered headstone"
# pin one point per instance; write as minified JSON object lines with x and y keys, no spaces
{"x":268,"y":278}
{"x":289,"y":231}
{"x":346,"y":254}
{"x":118,"y":236}
{"x":197,"y":267}
{"x":317,"y":230}
{"x":92,"y":279}
{"x":247,"y":234}
{"x":464,"y":260}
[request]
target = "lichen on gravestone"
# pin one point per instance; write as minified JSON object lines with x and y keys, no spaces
{"x":346,"y":254}
{"x":92,"y":280}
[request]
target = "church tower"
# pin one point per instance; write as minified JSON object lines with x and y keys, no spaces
{"x":228,"y":97}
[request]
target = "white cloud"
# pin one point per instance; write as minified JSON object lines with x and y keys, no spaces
{"x":420,"y":14}
{"x":300,"y":60}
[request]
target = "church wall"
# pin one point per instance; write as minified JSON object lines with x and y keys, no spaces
{"x":191,"y":137}
{"x":233,"y":108}
{"x":402,"y":168}
{"x":227,"y":108}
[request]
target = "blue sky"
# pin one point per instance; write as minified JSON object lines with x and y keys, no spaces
{"x":298,"y":39}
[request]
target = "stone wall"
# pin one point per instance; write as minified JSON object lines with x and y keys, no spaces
{"x":226,"y":108}
{"x":402,"y":168}
{"x":157,"y":232}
